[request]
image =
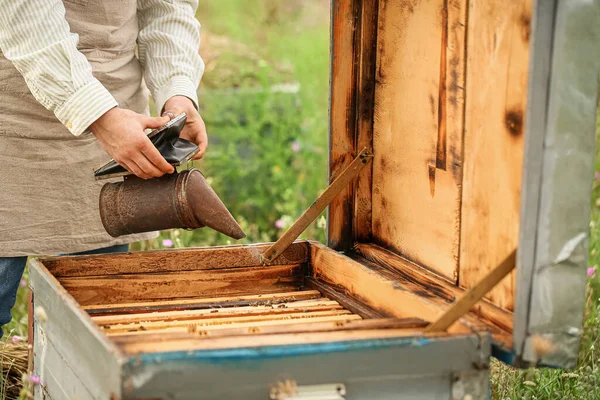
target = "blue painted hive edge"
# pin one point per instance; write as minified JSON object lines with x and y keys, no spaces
{"x":269,"y":352}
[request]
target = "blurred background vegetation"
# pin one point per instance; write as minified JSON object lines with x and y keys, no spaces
{"x":264,"y":98}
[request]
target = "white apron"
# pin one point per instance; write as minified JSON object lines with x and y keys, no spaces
{"x":48,"y":195}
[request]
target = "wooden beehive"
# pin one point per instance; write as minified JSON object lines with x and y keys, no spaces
{"x":481,"y":116}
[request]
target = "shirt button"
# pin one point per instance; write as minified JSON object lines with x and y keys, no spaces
{"x":69,"y":125}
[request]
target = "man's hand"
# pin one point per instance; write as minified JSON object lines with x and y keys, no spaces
{"x":121,"y":134}
{"x":194,"y":129}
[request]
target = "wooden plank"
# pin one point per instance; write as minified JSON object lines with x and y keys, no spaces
{"x":364,"y":115}
{"x":417,"y":170}
{"x":497,"y":73}
{"x":30,"y":330}
{"x":306,"y":327}
{"x":540,"y":68}
{"x":415,"y":278}
{"x":110,"y":289}
{"x":405,"y":370}
{"x":354,"y":32}
{"x":370,"y":287}
{"x":473,"y":295}
{"x":340,"y":182}
{"x":174,"y":260}
{"x":249,"y":323}
{"x":74,"y":336}
{"x":60,"y":380}
{"x":342,"y":115}
{"x":200,"y":304}
{"x":373,"y":287}
{"x":250,"y":341}
{"x":314,"y":305}
{"x":348,"y":302}
{"x":404,"y":386}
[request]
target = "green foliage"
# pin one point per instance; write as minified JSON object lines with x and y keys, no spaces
{"x":595,"y":222}
{"x":267,"y":155}
{"x":18,"y":325}
{"x":261,"y":163}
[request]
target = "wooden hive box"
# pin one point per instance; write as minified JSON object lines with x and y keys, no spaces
{"x":481,"y":118}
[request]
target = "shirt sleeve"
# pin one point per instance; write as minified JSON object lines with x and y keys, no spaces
{"x":168,"y":44}
{"x":36,"y":38}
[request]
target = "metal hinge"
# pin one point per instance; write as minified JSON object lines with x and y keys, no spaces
{"x":291,"y":391}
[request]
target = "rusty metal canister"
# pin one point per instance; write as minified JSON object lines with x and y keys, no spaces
{"x":179,"y":200}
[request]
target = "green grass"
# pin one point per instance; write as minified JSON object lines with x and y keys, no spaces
{"x":18,"y":325}
{"x":259,"y":43}
{"x":12,"y":363}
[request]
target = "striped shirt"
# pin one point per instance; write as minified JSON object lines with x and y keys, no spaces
{"x":36,"y":38}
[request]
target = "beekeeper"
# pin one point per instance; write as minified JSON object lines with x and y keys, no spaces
{"x":75,"y":77}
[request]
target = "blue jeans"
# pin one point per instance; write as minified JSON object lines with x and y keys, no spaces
{"x":11,"y":270}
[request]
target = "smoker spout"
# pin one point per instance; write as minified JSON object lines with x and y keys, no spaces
{"x":207,"y":207}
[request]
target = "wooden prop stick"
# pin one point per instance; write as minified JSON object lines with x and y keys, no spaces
{"x":318,"y":206}
{"x":473,"y":295}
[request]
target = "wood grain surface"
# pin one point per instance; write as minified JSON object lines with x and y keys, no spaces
{"x":417,"y":141}
{"x":497,"y":72}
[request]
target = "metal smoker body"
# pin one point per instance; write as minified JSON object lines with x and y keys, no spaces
{"x":180,"y":200}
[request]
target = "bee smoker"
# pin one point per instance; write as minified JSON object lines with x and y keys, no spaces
{"x":178,"y":200}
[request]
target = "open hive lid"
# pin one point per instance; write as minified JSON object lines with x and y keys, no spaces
{"x":481,"y":117}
